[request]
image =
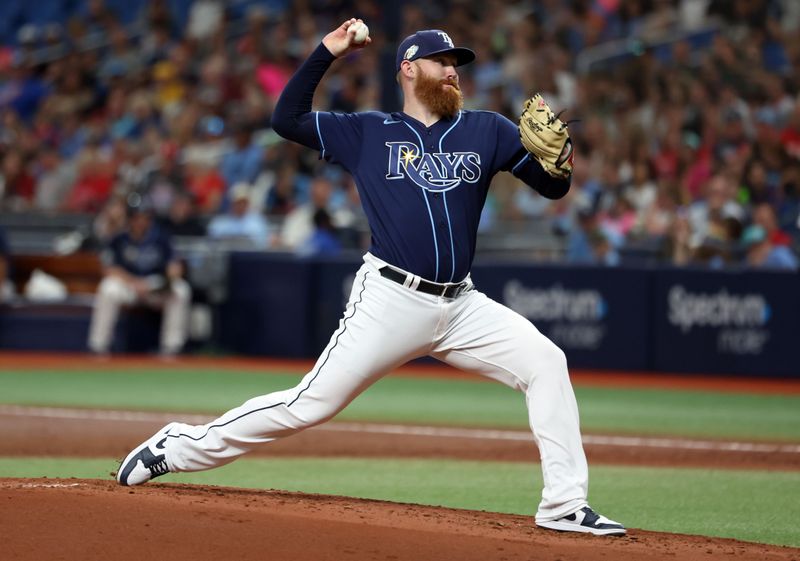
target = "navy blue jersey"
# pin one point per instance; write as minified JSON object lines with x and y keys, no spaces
{"x":422,"y":188}
{"x":149,"y":256}
{"x":4,"y":251}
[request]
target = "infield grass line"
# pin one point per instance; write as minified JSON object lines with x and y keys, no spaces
{"x":408,"y":430}
{"x":680,"y":500}
{"x":396,"y":400}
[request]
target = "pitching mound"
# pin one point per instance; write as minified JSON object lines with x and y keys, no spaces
{"x":98,"y":520}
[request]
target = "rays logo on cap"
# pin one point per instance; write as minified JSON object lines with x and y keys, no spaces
{"x":446,"y":38}
{"x":428,"y":42}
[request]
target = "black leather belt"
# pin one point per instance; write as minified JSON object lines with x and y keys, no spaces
{"x":428,"y":287}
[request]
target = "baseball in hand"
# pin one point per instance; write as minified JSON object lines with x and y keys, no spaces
{"x":362,"y":32}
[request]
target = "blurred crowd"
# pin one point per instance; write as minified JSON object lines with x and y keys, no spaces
{"x":687,"y":131}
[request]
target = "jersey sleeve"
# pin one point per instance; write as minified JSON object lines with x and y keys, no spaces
{"x":111,"y":255}
{"x":339,"y":136}
{"x":3,"y":244}
{"x":510,"y":152}
{"x":293,"y":118}
{"x":166,"y":247}
{"x":512,"y":156}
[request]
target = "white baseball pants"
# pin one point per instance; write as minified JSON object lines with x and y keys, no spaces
{"x":113,"y":293}
{"x":384,"y":326}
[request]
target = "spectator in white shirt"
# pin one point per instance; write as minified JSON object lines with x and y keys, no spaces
{"x":240,"y":222}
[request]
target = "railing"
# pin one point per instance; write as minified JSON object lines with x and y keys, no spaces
{"x":610,"y":53}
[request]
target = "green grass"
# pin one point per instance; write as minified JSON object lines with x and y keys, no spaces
{"x":418,"y":400}
{"x":690,"y":413}
{"x":745,"y":505}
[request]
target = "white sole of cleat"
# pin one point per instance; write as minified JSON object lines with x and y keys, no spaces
{"x":573,"y":527}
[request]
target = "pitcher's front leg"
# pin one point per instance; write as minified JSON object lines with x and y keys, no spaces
{"x":489,"y":339}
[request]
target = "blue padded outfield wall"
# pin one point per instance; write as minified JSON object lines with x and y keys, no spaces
{"x":269,"y":306}
{"x":595,"y":315}
{"x":666,"y":320}
{"x":738,"y":323}
{"x":669,"y":320}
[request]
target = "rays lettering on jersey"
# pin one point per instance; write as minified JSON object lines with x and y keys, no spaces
{"x":436,"y":171}
{"x":142,"y":257}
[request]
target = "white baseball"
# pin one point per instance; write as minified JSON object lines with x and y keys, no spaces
{"x":362,"y":32}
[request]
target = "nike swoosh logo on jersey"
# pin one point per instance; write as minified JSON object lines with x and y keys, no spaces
{"x":390,"y":122}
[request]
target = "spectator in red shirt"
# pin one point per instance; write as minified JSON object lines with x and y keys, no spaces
{"x":18,"y":186}
{"x":207,"y":186}
{"x":96,"y":171}
{"x":790,"y":137}
{"x":764,"y":216}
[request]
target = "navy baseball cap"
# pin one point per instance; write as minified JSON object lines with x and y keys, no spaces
{"x":431,"y":42}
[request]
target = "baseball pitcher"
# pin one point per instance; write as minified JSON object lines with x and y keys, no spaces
{"x":423,"y":174}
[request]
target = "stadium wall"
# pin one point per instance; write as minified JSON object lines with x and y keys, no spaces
{"x":638,"y":319}
{"x":671,"y":320}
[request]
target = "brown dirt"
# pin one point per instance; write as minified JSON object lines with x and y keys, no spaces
{"x":98,"y":520}
{"x":48,"y":519}
{"x":22,"y":435}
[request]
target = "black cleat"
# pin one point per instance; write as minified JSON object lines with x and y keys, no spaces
{"x":587,"y":521}
{"x":147,"y":461}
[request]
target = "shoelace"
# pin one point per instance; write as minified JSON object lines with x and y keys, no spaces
{"x":590,"y":518}
{"x":159,"y":468}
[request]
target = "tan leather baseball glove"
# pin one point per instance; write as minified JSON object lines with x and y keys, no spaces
{"x":546,"y":137}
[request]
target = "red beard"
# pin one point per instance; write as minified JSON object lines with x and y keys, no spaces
{"x":445,"y":102}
